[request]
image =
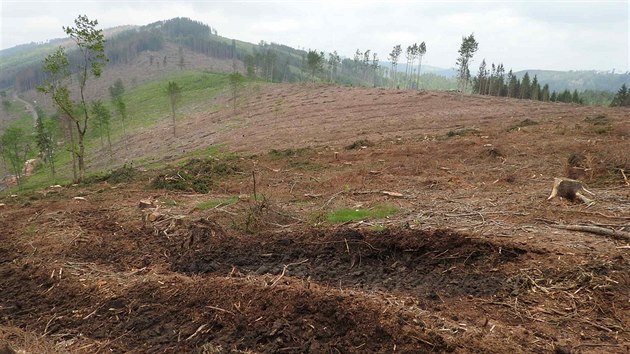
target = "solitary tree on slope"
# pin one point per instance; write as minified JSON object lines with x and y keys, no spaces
{"x":91,"y":44}
{"x":466,"y":51}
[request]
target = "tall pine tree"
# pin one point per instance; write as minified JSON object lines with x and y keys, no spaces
{"x":526,"y":87}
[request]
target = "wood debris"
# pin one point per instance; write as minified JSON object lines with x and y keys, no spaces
{"x":146,"y":204}
{"x":393,"y":194}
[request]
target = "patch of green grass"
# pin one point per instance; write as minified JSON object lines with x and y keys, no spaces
{"x":213,"y":203}
{"x":259,"y":197}
{"x":284,"y":153}
{"x":218,"y":151}
{"x":148,"y":103}
{"x":345,"y":215}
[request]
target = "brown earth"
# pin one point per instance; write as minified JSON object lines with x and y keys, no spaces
{"x":473,"y":261}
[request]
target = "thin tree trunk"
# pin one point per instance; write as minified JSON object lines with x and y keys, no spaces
{"x":173,"y":116}
{"x":81,"y":158}
{"x":419,"y":67}
{"x":73,"y":151}
{"x":109,"y":142}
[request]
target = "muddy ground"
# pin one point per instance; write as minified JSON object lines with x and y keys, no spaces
{"x":474,"y":260}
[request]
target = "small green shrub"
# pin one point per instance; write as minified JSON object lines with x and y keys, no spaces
{"x":284,"y":153}
{"x":345,"y":215}
{"x":120,"y":175}
{"x":213,"y":203}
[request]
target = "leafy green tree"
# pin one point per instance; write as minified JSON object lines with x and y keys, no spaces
{"x":91,"y":44}
{"x":314,"y":63}
{"x":575,"y":97}
{"x":116,"y":93}
{"x":14,"y":145}
{"x":553,"y":97}
{"x":174,"y":92}
{"x":102,"y":117}
{"x":237,"y":81}
{"x":45,"y":138}
{"x":622,"y":98}
{"x":466,"y":51}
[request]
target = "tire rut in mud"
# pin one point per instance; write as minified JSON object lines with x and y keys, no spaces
{"x":425,"y":264}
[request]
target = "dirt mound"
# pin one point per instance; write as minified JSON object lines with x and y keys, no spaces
{"x":412,"y":262}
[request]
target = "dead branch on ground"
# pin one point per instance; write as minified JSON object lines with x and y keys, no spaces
{"x":602,"y":231}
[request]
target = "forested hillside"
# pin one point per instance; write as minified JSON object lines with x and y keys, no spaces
{"x":22,"y":65}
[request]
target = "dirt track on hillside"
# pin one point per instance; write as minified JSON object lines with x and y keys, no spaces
{"x":473,"y":261}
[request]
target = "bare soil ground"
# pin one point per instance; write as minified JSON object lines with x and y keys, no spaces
{"x":474,"y":261}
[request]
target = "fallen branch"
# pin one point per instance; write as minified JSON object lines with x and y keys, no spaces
{"x":284,"y":270}
{"x":197,"y":331}
{"x":330,"y":200}
{"x":620,"y":235}
{"x":625,"y":178}
{"x":220,"y":309}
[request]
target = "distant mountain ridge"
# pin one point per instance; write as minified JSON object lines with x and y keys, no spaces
{"x":20,"y":66}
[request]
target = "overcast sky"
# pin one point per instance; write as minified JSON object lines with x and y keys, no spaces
{"x":554,"y":35}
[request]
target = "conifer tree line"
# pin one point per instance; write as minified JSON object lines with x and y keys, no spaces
{"x":622,"y":97}
{"x":493,"y":81}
